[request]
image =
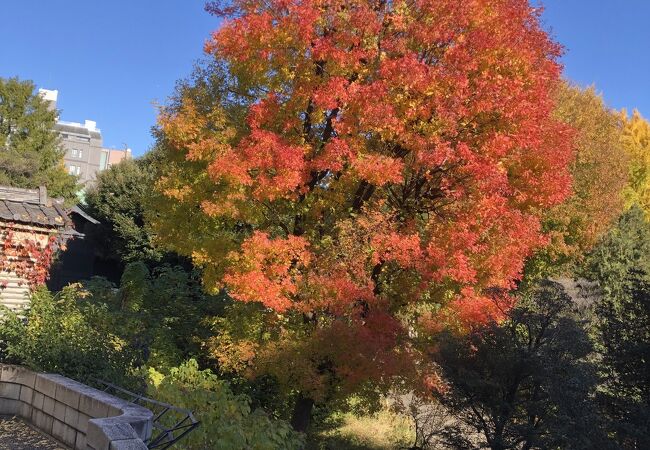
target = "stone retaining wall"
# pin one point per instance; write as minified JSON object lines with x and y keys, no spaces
{"x":77,"y":415}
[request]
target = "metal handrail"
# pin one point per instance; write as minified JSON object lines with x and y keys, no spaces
{"x":163,"y":436}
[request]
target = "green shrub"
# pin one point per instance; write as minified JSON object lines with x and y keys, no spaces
{"x":59,"y":334}
{"x":227,"y":421}
{"x":159,"y":314}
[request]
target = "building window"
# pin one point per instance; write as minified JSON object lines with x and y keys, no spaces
{"x":75,"y":152}
{"x":81,"y":154}
{"x":103,"y":160}
{"x":73,"y":137}
{"x":74,"y":170}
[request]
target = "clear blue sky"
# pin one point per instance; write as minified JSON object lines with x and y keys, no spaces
{"x":112,"y":60}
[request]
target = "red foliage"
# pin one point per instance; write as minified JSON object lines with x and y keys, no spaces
{"x":397,"y":154}
{"x":27,"y":256}
{"x":268,"y":269}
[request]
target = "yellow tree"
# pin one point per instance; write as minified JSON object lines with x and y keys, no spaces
{"x":599,"y":173}
{"x":636,"y":140}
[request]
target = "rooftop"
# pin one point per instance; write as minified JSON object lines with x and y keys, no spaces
{"x":30,"y":207}
{"x":49,"y":95}
{"x":89,"y":125}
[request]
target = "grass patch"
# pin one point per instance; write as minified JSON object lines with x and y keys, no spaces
{"x":384,"y":430}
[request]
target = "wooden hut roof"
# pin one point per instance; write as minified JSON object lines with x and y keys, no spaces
{"x":30,"y":207}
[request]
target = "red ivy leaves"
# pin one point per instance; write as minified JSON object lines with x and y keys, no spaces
{"x":27,"y":256}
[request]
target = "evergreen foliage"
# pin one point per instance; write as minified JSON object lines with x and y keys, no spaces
{"x":525,"y":383}
{"x":620,"y":265}
{"x":31,"y":153}
{"x":118,"y":201}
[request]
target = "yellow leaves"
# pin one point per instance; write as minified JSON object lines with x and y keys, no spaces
{"x":177,"y":193}
{"x":636,"y":140}
{"x":233,"y":355}
{"x":155,"y":377}
{"x":599,"y":172}
{"x":201,"y":134}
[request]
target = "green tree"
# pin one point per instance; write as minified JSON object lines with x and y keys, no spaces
{"x":624,"y":335}
{"x":626,"y":248}
{"x":118,"y":202}
{"x":525,"y":383}
{"x":620,"y":265}
{"x":159,"y":314}
{"x":31,"y":153}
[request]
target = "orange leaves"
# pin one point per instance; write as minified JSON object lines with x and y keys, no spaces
{"x":346,"y":354}
{"x":187,"y":129}
{"x":276,"y":168}
{"x":468,"y":310}
{"x":420,"y":88}
{"x":268,"y":270}
{"x":332,"y":94}
{"x":272,"y":166}
{"x":378,"y":170}
{"x":405,"y":250}
{"x":394,"y":155}
{"x":457,"y":83}
{"x":338,"y":292}
{"x":471,"y":309}
{"x":334,"y":155}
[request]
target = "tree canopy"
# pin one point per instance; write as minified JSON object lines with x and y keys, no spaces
{"x":600,"y":176}
{"x":395,"y":162}
{"x":508,"y":381}
{"x":31,"y":154}
{"x":620,"y":265}
{"x":636,"y":139}
{"x":118,"y":200}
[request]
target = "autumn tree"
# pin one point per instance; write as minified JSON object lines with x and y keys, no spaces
{"x":31,"y":155}
{"x":390,"y":175}
{"x":636,"y":140}
{"x":599,"y":172}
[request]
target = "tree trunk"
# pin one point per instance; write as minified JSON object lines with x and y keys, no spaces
{"x":301,"y":417}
